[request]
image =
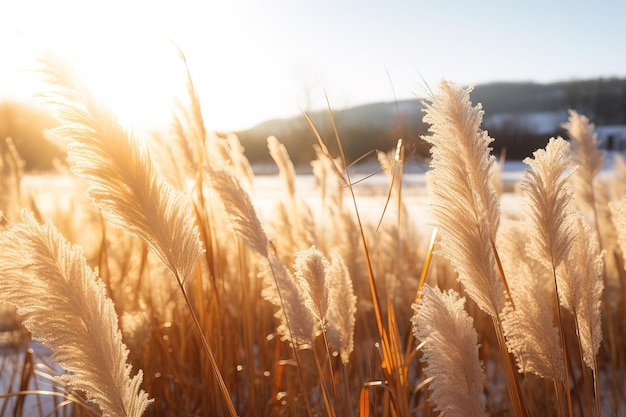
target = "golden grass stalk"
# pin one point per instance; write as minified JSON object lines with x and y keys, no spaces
{"x":450,"y":352}
{"x":66,"y":308}
{"x":393,"y":364}
{"x":464,"y":206}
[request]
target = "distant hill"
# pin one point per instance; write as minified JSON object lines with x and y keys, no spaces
{"x":520,"y":116}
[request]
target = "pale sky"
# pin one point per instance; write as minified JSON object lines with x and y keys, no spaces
{"x":256,"y":60}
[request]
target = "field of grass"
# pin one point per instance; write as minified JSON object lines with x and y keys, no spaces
{"x":163,"y":283}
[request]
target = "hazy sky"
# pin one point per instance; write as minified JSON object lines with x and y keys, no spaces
{"x":254,"y":60}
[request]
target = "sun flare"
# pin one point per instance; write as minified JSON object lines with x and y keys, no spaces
{"x":140,"y":81}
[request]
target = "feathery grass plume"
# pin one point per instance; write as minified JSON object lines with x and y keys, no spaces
{"x":586,"y":155}
{"x":328,"y":179}
{"x":279,"y":154}
{"x":294,"y":226}
{"x":581,"y":288}
{"x":618,"y":213}
{"x":617,"y":180}
{"x":464,"y":206}
{"x":529,"y":327}
{"x":546,"y":202}
{"x":238,"y":205}
{"x":123,"y":181}
{"x":342,"y":308}
{"x":297,"y":324}
{"x":239,"y":161}
{"x":11,"y":172}
{"x":311,"y":270}
{"x":66,"y":308}
{"x":450,"y":352}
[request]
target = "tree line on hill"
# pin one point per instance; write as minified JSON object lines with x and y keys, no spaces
{"x":377,"y":126}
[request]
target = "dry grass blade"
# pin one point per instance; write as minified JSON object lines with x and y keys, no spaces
{"x":429,"y":257}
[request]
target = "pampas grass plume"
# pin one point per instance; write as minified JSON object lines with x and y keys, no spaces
{"x":585,"y":155}
{"x":122,"y":178}
{"x":546,"y":202}
{"x":581,"y":288}
{"x":66,"y":308}
{"x":297,"y":324}
{"x":464,"y":206}
{"x":341,"y":315}
{"x":238,"y":205}
{"x":450,"y":352}
{"x":310,"y":269}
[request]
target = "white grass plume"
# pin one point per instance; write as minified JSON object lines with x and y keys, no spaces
{"x":311,"y":269}
{"x":279,"y":154}
{"x":239,"y":207}
{"x":529,"y":327}
{"x":341,"y":315}
{"x":581,"y":288}
{"x":297,"y":324}
{"x":618,"y":214}
{"x":66,"y":308}
{"x":464,"y":206}
{"x":450,"y":352}
{"x":585,"y":155}
{"x":546,"y":202}
{"x":122,"y":178}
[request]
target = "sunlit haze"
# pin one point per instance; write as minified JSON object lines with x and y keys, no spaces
{"x":256,"y":60}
